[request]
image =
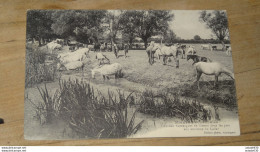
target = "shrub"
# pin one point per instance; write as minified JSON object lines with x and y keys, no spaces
{"x":225,"y":93}
{"x":36,"y":70}
{"x":168,"y":104}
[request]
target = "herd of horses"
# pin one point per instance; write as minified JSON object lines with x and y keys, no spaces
{"x":154,"y":50}
{"x":201,"y":64}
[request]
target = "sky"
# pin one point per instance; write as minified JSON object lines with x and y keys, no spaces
{"x":186,"y":25}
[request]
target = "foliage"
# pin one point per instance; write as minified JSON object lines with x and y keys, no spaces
{"x":39,"y":24}
{"x":225,"y":93}
{"x":84,"y":25}
{"x":217,"y":21}
{"x":169,"y":104}
{"x":197,"y":38}
{"x":170,"y":37}
{"x":88,"y":114}
{"x":145,"y":24}
{"x":36,"y":70}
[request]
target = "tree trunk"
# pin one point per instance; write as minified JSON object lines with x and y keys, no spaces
{"x":33,"y":40}
{"x":130,"y":43}
{"x":39,"y":40}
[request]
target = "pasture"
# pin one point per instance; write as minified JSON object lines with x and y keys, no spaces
{"x":138,"y":77}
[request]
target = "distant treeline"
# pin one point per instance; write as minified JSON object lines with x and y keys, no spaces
{"x":201,"y":41}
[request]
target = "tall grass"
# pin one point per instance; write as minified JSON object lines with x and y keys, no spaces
{"x":224,"y":94}
{"x":167,"y":104}
{"x":36,"y":70}
{"x":88,"y":114}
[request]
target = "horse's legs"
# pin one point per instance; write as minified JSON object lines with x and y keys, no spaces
{"x":104,"y":77}
{"x":198,"y":77}
{"x":107,"y":78}
{"x":164,"y":59}
{"x":148,"y":53}
{"x":177,"y":62}
{"x":152,"y":57}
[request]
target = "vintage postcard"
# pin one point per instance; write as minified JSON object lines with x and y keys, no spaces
{"x":94,"y":74}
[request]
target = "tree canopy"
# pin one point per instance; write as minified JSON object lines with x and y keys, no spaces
{"x":217,"y":22}
{"x":197,"y":37}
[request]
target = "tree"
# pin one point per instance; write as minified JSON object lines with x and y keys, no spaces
{"x":145,"y":24}
{"x":113,"y":24}
{"x":153,"y":22}
{"x":170,"y":36}
{"x":130,"y":21}
{"x":38,"y":25}
{"x":197,"y":37}
{"x":218,"y":23}
{"x":84,"y":25}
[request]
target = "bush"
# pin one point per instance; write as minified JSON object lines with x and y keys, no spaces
{"x":168,"y":104}
{"x":36,"y":70}
{"x":225,"y":93}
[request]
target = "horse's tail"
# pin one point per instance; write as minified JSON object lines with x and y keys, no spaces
{"x":229,"y":73}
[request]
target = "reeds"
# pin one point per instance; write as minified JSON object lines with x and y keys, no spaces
{"x":224,"y":94}
{"x":88,"y":114}
{"x":36,"y":70}
{"x":167,"y":104}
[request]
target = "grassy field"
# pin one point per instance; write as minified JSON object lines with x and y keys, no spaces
{"x":139,"y":77}
{"x":138,"y":70}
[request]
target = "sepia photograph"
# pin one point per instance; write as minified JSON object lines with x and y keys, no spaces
{"x":94,"y":74}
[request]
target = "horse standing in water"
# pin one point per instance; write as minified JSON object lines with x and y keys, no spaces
{"x":211,"y":68}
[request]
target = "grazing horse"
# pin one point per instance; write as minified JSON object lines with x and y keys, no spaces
{"x":212,"y":68}
{"x":171,"y":51}
{"x":197,"y":58}
{"x":150,"y":50}
{"x":101,"y":58}
{"x":206,"y":46}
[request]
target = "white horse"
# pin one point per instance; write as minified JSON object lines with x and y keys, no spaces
{"x":191,"y":50}
{"x":108,"y":70}
{"x":101,"y":58}
{"x":171,"y":51}
{"x":206,"y":46}
{"x":211,"y":68}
